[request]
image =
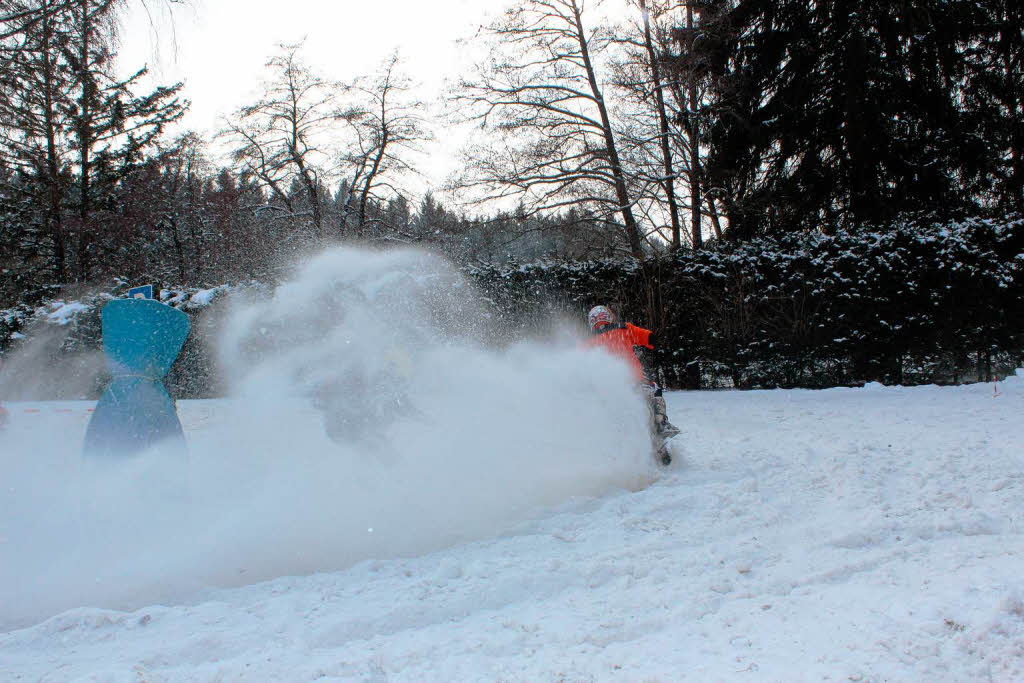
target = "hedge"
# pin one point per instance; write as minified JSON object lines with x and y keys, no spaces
{"x":913,"y":303}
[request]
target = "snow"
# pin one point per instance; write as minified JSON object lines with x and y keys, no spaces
{"x":201,"y":298}
{"x":846,"y":534}
{"x":175,"y":297}
{"x":62,"y":313}
{"x":513,"y":525}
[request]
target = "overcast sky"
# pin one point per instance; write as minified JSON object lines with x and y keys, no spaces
{"x":219,"y":48}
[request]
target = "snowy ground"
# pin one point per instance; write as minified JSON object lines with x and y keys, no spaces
{"x":851,"y":534}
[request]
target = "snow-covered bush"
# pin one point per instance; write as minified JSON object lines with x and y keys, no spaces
{"x":912,"y":303}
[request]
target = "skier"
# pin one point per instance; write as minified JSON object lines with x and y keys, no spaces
{"x":3,"y":417}
{"x":620,"y":339}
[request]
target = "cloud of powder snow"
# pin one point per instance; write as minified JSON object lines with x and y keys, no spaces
{"x":467,"y":440}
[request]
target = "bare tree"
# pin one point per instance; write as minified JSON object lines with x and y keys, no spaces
{"x":666,"y":93}
{"x":657,"y":90}
{"x":649,"y":132}
{"x":388,"y":125}
{"x":542,"y":97}
{"x":280,"y":139}
{"x":690,"y":125}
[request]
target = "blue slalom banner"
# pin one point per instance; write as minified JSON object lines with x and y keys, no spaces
{"x":141,"y":340}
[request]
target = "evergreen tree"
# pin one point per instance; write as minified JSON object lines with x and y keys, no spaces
{"x":836,"y":114}
{"x":36,"y":92}
{"x":994,"y":94}
{"x":70,"y":131}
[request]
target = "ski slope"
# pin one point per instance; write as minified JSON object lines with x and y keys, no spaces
{"x":848,"y":535}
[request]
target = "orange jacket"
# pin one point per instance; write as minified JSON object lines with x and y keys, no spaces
{"x":619,"y":340}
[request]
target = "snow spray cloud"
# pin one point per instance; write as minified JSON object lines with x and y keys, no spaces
{"x":369,"y":419}
{"x":42,"y":368}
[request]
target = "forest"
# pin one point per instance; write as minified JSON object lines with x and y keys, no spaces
{"x":789,"y":192}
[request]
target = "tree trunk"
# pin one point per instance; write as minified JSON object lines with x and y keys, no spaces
{"x":715,"y":220}
{"x":369,"y":179}
{"x":312,"y":194}
{"x":84,"y":142}
{"x":198,"y":250}
{"x":179,"y":250}
{"x":304,"y":173}
{"x":54,"y":217}
{"x":668,"y":183}
{"x":621,"y":191}
{"x":693,"y":140}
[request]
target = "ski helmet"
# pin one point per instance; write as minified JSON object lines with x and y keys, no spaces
{"x":600,"y":316}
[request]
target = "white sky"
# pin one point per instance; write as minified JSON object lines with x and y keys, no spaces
{"x":219,"y":48}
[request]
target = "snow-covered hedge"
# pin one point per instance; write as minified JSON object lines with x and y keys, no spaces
{"x":914,"y":303}
{"x":910,"y":304}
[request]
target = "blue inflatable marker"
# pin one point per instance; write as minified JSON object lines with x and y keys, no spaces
{"x":141,"y":340}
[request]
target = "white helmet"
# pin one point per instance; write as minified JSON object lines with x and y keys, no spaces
{"x":600,"y":316}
